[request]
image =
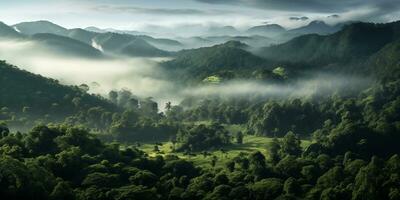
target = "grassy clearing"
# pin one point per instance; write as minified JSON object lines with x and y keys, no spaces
{"x":250,"y":144}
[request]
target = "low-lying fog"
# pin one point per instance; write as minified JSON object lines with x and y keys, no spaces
{"x":145,"y":78}
{"x":142,"y":76}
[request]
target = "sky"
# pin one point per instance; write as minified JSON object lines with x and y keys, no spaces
{"x":144,"y":15}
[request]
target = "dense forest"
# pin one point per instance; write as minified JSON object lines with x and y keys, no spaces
{"x":63,"y":142}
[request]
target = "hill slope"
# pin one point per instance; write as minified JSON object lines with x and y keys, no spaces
{"x":317,"y":27}
{"x":355,"y":42}
{"x":203,"y":62}
{"x":81,"y":35}
{"x":8,"y":32}
{"x":269,"y":29}
{"x":40,"y":96}
{"x":386,"y":62}
{"x":31,"y":28}
{"x":85,"y":36}
{"x":127,"y":45}
{"x":66,"y":46}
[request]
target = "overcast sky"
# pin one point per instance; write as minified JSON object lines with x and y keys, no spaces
{"x":142,"y":14}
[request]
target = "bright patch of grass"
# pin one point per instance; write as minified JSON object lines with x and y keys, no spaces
{"x":250,"y":144}
{"x":213,"y":80}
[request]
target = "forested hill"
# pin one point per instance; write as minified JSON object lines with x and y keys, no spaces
{"x":66,"y":46}
{"x":358,"y":49}
{"x":357,"y":41}
{"x":203,"y":62}
{"x":24,"y":92}
{"x":386,"y":63}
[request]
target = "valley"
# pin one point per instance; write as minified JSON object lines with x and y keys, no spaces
{"x":208,"y":111}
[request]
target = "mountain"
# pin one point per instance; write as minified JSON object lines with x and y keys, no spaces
{"x":31,"y":28}
{"x":90,"y":34}
{"x":200,"y":63}
{"x":127,"y":45}
{"x":42,"y":96}
{"x":268,"y":30}
{"x":139,"y":47}
{"x":51,"y":42}
{"x":95,"y":29}
{"x":355,"y":42}
{"x":99,"y":30}
{"x":318,"y":27}
{"x":386,"y":62}
{"x":8,"y":32}
{"x":195,"y":42}
{"x":162,"y":43}
{"x":222,"y":30}
{"x":280,"y":34}
{"x":89,"y":38}
{"x":66,"y":46}
{"x":81,"y":35}
{"x":253,"y":41}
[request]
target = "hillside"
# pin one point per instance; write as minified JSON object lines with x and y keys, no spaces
{"x":386,"y":62}
{"x":127,"y":45}
{"x":318,"y":27}
{"x":203,"y":62}
{"x":122,"y":42}
{"x":22,"y":91}
{"x":268,"y":30}
{"x":355,"y":42}
{"x":8,"y":32}
{"x":81,"y":35}
{"x":31,"y":28}
{"x":66,"y":46}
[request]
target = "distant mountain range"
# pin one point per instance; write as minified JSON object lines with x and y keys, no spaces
{"x":8,"y":32}
{"x":31,"y":28}
{"x":359,"y":49}
{"x":355,"y":41}
{"x":276,"y":33}
{"x":258,"y":36}
{"x":87,"y":43}
{"x":269,"y":29}
{"x":126,"y":45}
{"x":318,"y":45}
{"x":54,"y":43}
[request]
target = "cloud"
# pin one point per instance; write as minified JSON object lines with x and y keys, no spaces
{"x":142,"y":76}
{"x":304,"y":18}
{"x":145,"y":78}
{"x":380,"y":7}
{"x":333,"y":16}
{"x":316,"y":84}
{"x":158,"y":11}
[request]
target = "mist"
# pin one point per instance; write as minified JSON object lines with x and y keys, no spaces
{"x":316,"y":84}
{"x":144,"y":77}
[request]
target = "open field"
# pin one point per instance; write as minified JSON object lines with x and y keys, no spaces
{"x":250,"y":144}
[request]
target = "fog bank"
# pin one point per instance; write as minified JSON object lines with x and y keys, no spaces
{"x":145,"y":78}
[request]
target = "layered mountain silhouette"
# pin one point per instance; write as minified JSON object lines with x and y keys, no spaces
{"x":31,"y":28}
{"x":53,"y":43}
{"x":8,"y":32}
{"x":145,"y":45}
{"x":65,"y":45}
{"x":269,"y":29}
{"x":355,"y":42}
{"x":319,"y":45}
